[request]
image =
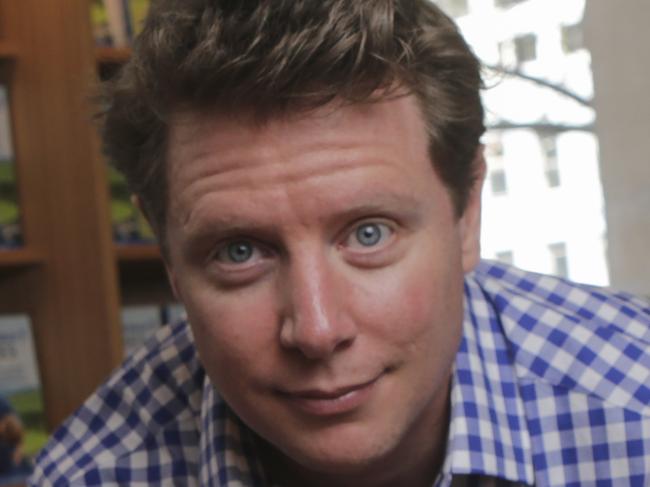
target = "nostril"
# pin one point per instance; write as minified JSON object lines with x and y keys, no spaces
{"x":315,"y":339}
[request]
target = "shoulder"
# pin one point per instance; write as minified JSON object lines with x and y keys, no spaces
{"x":148,"y":409}
{"x":586,"y":302}
{"x":578,"y":337}
{"x":581,"y":357}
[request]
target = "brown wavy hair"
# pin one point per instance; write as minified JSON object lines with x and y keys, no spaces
{"x":267,"y":57}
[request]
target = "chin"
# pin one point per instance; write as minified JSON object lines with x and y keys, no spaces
{"x":341,"y":452}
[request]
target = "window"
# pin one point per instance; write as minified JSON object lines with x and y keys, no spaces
{"x":525,"y":48}
{"x":519,"y":50}
{"x":498,"y":181}
{"x":572,"y":38}
{"x":454,"y":8}
{"x":507,"y":3}
{"x":497,"y":171}
{"x":505,"y":256}
{"x":493,"y":149}
{"x":551,"y":168}
{"x":559,"y":261}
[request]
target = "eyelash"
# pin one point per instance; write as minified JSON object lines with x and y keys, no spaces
{"x":387,"y":231}
{"x":223,"y":248}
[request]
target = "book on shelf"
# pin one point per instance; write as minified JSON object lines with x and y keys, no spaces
{"x":136,"y":11}
{"x":99,"y":22}
{"x":171,"y":313}
{"x":10,"y":232}
{"x":19,"y":379}
{"x":142,"y":321}
{"x":138,"y":324}
{"x":116,"y":22}
{"x":129,"y":225}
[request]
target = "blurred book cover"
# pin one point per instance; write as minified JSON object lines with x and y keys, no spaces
{"x":20,"y":393}
{"x":138,"y":324}
{"x":129,"y":225}
{"x":116,"y":22}
{"x":142,"y":321}
{"x":136,"y":11}
{"x":172,"y":313}
{"x":10,"y":232}
{"x":99,"y":22}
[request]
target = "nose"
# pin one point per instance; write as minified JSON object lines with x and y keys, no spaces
{"x":314,"y":321}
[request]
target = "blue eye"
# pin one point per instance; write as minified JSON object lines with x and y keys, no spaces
{"x":240,"y":261}
{"x":369,"y":234}
{"x":239,"y":252}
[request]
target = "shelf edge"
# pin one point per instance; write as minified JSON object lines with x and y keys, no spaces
{"x":20,"y":257}
{"x":136,"y":252}
{"x":112,"y":55}
{"x":8,"y":50}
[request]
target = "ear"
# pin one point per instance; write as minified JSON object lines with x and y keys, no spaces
{"x":171,"y":276}
{"x":470,"y":221}
{"x":173,"y":282}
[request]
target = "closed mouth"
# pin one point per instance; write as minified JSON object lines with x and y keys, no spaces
{"x":330,"y":402}
{"x":327,"y":393}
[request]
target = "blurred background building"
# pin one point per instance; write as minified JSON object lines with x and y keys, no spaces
{"x":543,"y":206}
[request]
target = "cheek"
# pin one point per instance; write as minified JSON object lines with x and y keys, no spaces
{"x":416,"y":303}
{"x":232,"y":330}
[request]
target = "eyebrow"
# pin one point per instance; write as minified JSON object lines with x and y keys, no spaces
{"x":404,"y":206}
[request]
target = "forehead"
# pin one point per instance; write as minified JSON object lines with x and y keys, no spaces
{"x":388,"y":114}
{"x":238,"y":140}
{"x":217,"y":160}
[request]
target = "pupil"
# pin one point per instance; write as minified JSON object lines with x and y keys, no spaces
{"x":368,"y":234}
{"x":240,"y":252}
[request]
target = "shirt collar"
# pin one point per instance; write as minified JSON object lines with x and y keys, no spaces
{"x":228,"y":452}
{"x":488,"y":433}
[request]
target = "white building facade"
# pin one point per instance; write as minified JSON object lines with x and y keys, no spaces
{"x":543,"y":207}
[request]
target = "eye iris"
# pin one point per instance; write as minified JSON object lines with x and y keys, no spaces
{"x":368,"y":234}
{"x":240,"y":252}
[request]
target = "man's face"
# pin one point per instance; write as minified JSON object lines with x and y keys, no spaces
{"x":321,"y":266}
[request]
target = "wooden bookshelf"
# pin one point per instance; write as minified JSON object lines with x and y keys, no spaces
{"x":17,"y":270}
{"x":70,"y":278}
{"x":112,"y":55}
{"x":144,"y":282}
{"x":16,"y":258}
{"x":143,"y":278}
{"x":138,"y":253}
{"x":8,"y":50}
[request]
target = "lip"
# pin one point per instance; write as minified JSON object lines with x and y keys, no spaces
{"x":323,"y":402}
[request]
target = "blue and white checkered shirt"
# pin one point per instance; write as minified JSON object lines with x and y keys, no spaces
{"x":551,"y":387}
